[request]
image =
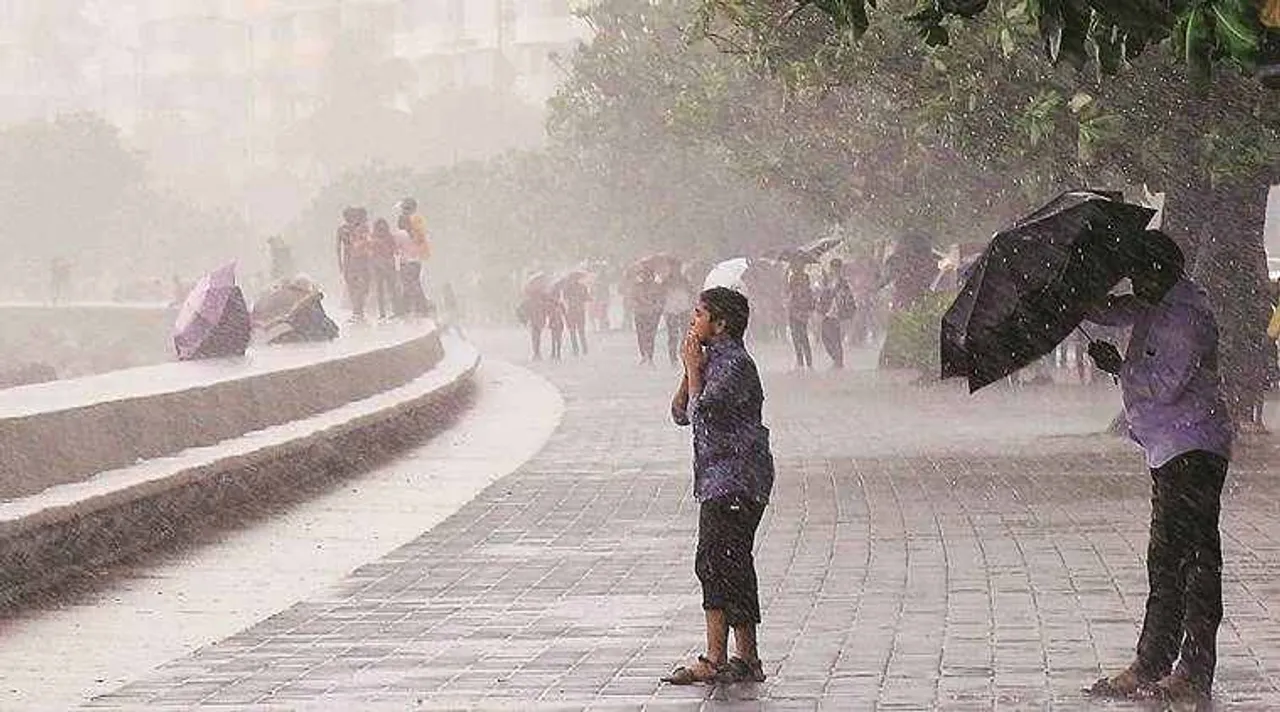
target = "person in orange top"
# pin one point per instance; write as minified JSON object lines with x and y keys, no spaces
{"x":414,"y":249}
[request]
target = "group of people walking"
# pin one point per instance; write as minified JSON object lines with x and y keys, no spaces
{"x":556,"y":307}
{"x":833,"y":304}
{"x":660,"y":296}
{"x":375,"y":257}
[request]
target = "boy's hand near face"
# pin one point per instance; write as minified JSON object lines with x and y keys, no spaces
{"x":693,"y":357}
{"x":691,"y":353}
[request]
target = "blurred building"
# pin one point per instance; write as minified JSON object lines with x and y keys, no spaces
{"x":230,"y":65}
{"x":212,"y":88}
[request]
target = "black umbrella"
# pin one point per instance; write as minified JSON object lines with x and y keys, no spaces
{"x":1034,"y":283}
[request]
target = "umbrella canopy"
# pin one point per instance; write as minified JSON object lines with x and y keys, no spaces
{"x":1034,"y":283}
{"x":277,"y":310}
{"x":282,"y":300}
{"x":536,"y":282}
{"x":204,"y":314}
{"x":810,"y":253}
{"x":563,"y":280}
{"x":728,"y":274}
{"x":821,"y":246}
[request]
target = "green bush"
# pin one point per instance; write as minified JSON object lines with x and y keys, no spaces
{"x":912,"y":335}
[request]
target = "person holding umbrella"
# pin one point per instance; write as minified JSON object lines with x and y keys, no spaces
{"x":1169,"y":380}
{"x":1031,"y":288}
{"x":533,"y":309}
{"x":576,"y":299}
{"x":646,"y":305}
{"x":799,"y":309}
{"x":835,"y":306}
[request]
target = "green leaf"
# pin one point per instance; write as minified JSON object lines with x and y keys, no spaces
{"x":1051,"y":30}
{"x":1237,"y":30}
{"x":1075,"y":32}
{"x":1007,"y":46}
{"x":1194,"y":44}
{"x":1110,"y":43}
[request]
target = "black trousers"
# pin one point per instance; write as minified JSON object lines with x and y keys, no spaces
{"x":1184,"y":569}
{"x":647,"y":332}
{"x":414,"y":300}
{"x":385,"y":289}
{"x":833,"y":340}
{"x":578,"y":334}
{"x":800,"y":339}
{"x":724,"y":563}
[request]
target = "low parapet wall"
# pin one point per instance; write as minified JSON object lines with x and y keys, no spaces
{"x":66,"y":431}
{"x":80,"y":527}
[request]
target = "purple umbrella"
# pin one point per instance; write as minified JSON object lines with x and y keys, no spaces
{"x":205,"y":326}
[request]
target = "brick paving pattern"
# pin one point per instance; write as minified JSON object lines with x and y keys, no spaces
{"x":925,"y":549}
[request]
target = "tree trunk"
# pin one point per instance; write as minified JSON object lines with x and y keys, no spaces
{"x":1220,"y":225}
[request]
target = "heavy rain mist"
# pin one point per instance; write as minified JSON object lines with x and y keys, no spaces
{"x":639,"y":354}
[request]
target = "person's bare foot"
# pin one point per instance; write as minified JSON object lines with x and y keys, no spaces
{"x":1180,"y":690}
{"x":1129,"y":683}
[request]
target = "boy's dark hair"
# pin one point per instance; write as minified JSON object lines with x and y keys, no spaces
{"x":1154,"y":249}
{"x":729,"y":306}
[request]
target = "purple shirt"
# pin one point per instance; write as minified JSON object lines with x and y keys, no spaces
{"x":731,"y":457}
{"x":1169,"y":377}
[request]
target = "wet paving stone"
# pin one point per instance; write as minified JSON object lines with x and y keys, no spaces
{"x":924,"y":549}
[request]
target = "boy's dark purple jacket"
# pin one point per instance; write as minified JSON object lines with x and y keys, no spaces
{"x":731,"y":457}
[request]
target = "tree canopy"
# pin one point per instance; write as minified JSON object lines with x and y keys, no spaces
{"x":1111,"y":32}
{"x":76,"y":192}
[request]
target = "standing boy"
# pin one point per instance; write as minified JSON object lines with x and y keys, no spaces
{"x":721,"y":397}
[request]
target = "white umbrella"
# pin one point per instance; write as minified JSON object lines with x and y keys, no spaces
{"x":728,"y":274}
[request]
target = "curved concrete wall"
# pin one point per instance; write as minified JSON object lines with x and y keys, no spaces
{"x":66,"y":431}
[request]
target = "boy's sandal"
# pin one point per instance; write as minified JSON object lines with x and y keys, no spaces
{"x":703,"y":670}
{"x":743,"y":670}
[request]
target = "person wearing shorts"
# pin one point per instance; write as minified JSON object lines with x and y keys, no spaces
{"x":721,"y":398}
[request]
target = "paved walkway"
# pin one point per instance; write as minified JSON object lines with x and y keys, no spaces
{"x":101,"y":632}
{"x":925,"y":550}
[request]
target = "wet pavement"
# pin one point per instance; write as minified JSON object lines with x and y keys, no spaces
{"x":925,"y":549}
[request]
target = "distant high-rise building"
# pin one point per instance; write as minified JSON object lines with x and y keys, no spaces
{"x":238,"y":64}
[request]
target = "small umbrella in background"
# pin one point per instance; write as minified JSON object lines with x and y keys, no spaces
{"x":538,"y":281}
{"x":1034,"y":283}
{"x":567,"y":278}
{"x":821,"y":246}
{"x":728,"y":274}
{"x":810,"y":253}
{"x":213,"y":321}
